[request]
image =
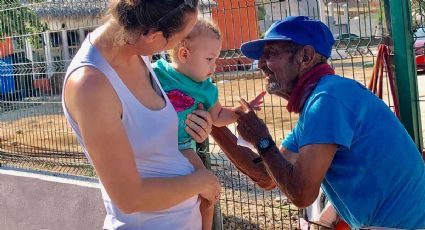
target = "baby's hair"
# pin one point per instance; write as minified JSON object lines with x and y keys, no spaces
{"x":203,"y":27}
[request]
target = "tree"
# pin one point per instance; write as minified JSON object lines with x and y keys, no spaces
{"x":418,"y":12}
{"x":17,"y":19}
{"x":261,"y":13}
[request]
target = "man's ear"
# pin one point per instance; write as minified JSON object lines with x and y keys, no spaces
{"x":308,"y":55}
{"x":183,"y":54}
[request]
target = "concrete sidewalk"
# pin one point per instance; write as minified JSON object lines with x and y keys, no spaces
{"x":43,"y":201}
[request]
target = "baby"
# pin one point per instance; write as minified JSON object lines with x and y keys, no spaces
{"x":187,"y":83}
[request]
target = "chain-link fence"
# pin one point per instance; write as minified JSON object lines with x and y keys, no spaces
{"x":39,"y":38}
{"x":418,"y":31}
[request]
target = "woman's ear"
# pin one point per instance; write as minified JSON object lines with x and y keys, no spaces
{"x":183,"y":54}
{"x":153,"y":37}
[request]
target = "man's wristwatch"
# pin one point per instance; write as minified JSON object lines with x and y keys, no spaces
{"x":264,"y":145}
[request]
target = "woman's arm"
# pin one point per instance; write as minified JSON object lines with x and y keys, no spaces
{"x":94,"y":105}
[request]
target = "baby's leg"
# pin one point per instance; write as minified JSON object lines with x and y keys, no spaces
{"x":207,"y":211}
{"x":193,"y":158}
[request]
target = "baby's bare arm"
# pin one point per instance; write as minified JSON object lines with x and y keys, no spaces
{"x":222,"y":116}
{"x":225,"y":116}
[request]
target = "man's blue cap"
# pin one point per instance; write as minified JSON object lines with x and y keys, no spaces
{"x":301,"y":30}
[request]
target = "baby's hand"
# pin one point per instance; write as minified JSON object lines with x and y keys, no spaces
{"x":253,"y":104}
{"x":257,"y":101}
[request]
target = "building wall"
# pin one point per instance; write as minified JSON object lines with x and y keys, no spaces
{"x":34,"y":201}
{"x":237,"y":20}
{"x":68,"y":23}
{"x":337,"y":17}
{"x":277,"y":10}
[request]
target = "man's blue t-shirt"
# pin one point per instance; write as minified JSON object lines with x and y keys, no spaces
{"x":377,"y":177}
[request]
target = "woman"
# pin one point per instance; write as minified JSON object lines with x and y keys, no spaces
{"x":127,"y":125}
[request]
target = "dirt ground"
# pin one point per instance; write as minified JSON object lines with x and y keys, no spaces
{"x":39,"y":126}
{"x":36,"y":135}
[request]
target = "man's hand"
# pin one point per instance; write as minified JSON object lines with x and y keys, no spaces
{"x":250,"y":127}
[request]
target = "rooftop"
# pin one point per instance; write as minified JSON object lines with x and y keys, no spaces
{"x":81,"y":8}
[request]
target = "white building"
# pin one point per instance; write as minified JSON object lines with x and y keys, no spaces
{"x":68,"y":22}
{"x":349,"y":16}
{"x":277,"y":9}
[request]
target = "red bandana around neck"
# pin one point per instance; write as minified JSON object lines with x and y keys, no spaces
{"x":306,"y":85}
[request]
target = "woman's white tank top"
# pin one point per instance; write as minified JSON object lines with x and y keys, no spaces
{"x":153,"y":138}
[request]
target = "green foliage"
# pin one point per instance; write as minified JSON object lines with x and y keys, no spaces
{"x":261,"y":35}
{"x":261,"y":13}
{"x":418,"y":12}
{"x":18,"y":19}
{"x":381,"y":14}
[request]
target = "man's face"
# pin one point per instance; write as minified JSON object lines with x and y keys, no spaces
{"x":280,"y":66}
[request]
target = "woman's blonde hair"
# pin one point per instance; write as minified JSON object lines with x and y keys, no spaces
{"x":137,"y":17}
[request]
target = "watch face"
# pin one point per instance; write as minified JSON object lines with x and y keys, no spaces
{"x":264,"y":143}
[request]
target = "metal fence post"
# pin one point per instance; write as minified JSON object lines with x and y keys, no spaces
{"x":405,"y":68}
{"x":203,"y":152}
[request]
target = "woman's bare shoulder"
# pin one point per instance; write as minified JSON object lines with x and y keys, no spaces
{"x":89,"y":88}
{"x":86,"y":79}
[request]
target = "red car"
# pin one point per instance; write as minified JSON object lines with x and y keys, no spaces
{"x":419,"y":37}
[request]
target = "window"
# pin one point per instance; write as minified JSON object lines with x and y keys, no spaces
{"x":55,"y":39}
{"x":73,"y":38}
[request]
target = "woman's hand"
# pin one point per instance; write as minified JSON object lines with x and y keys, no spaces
{"x":211,"y":186}
{"x":199,"y":124}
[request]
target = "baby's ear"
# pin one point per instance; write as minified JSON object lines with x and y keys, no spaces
{"x":183,"y":54}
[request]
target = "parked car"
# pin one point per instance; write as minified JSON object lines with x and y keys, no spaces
{"x":419,"y":46}
{"x":349,"y":45}
{"x":347,"y":37}
{"x":419,"y":37}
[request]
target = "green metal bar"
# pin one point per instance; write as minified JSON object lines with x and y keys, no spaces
{"x":405,"y":68}
{"x":204,"y":154}
{"x":387,"y":15}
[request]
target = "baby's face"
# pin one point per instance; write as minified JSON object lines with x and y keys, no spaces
{"x":204,"y":51}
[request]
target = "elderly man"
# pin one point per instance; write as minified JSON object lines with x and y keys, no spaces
{"x":346,"y":140}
